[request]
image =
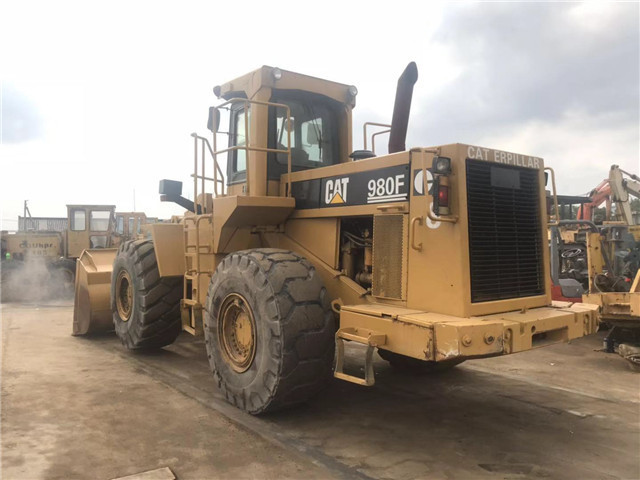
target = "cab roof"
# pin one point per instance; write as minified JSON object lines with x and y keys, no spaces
{"x":267,"y":77}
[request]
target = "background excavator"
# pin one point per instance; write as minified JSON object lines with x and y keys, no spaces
{"x":615,"y":190}
{"x":619,"y":233}
{"x":597,"y":260}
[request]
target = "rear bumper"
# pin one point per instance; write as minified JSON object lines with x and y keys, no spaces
{"x":435,"y":337}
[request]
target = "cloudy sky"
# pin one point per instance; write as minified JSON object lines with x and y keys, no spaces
{"x":98,"y":98}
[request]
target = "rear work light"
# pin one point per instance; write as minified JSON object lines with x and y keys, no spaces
{"x":441,"y":165}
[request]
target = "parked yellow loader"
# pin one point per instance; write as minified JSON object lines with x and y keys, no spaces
{"x":432,"y":255}
{"x":44,"y":259}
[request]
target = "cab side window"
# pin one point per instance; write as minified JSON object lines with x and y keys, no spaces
{"x":240,"y":134}
{"x":99,"y":220}
{"x":237,"y":159}
{"x":120,"y":225}
{"x":78,"y":220}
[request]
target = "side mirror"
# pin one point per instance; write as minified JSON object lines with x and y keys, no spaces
{"x":214,"y":119}
{"x":170,"y":187}
{"x":289,"y":126}
{"x":171,"y":191}
{"x":546,"y":178}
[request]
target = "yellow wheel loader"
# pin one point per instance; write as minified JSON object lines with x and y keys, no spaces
{"x":42,"y":263}
{"x":430,"y":255}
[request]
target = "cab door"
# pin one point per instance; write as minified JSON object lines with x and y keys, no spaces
{"x":77,"y":231}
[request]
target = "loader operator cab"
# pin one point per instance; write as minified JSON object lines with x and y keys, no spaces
{"x":129,"y":224}
{"x":313,"y":129}
{"x":318,"y":129}
{"x":89,"y":226}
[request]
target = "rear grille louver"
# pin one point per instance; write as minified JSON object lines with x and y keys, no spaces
{"x":505,"y":241}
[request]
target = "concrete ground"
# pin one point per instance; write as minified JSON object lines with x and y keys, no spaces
{"x":85,"y":408}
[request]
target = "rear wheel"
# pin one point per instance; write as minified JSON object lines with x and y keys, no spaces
{"x":410,"y":364}
{"x":63,"y":276}
{"x":269,"y":330}
{"x":146,"y":308}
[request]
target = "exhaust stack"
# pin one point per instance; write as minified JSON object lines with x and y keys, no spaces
{"x":402,"y":108}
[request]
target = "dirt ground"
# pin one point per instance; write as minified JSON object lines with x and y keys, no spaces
{"x":85,"y":408}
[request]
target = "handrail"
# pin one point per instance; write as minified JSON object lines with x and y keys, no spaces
{"x":374,"y":124}
{"x":373,"y":138}
{"x":247,"y":148}
{"x":412,"y":234}
{"x":555,"y":197}
{"x":218,"y":175}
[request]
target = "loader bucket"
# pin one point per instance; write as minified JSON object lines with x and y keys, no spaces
{"x":92,"y":305}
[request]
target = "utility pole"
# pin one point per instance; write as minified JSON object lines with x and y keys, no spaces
{"x":25,"y":225}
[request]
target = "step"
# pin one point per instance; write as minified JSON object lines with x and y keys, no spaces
{"x":190,"y":302}
{"x":369,"y":338}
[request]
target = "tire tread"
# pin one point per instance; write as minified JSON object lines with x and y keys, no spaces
{"x":156,"y":316}
{"x":292,"y":286}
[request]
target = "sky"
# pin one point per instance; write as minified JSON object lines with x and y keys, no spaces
{"x":98,"y":99}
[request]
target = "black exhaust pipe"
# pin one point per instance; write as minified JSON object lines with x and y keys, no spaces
{"x":402,"y":108}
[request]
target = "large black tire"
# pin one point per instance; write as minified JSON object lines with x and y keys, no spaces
{"x":146,"y":308}
{"x":410,"y":364}
{"x":293,"y":329}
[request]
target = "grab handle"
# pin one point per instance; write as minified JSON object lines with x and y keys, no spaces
{"x":412,"y":234}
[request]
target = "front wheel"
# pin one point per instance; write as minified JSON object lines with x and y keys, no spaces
{"x":145,"y":306}
{"x":269,"y":331}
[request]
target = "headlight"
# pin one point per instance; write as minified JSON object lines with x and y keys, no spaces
{"x":353,"y":91}
{"x":277,"y":73}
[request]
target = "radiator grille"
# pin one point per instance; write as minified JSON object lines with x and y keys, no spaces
{"x":389,"y":256}
{"x":505,"y":241}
